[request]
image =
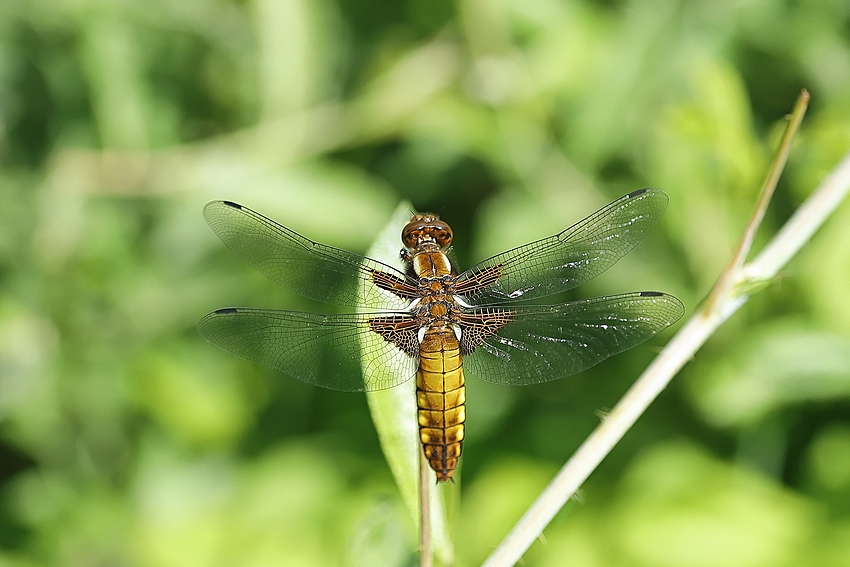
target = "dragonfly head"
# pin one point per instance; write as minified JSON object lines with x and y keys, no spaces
{"x":424,"y":229}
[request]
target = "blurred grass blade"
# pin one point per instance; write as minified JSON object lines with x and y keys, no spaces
{"x":394,"y":412}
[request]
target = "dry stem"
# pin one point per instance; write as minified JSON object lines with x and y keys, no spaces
{"x":725,"y":299}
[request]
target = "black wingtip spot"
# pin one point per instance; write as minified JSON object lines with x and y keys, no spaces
{"x":637,"y":192}
{"x":232,"y":204}
{"x":651,"y":294}
{"x":226,"y":311}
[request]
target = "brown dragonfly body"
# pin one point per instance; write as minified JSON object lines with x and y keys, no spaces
{"x":443,"y":332}
{"x":434,"y":323}
{"x":440,"y":390}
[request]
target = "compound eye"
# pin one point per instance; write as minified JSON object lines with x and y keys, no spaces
{"x":426,"y":227}
{"x":411,"y":233}
{"x":443,"y":234}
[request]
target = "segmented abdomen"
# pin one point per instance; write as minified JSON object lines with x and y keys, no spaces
{"x":441,"y":397}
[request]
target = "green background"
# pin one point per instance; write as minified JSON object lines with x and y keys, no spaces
{"x":125,"y":439}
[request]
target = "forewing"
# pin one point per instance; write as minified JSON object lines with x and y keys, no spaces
{"x":314,"y":270}
{"x":567,"y":259}
{"x":530,"y":344}
{"x":339,"y":352}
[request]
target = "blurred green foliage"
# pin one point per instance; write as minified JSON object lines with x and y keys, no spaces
{"x":127,"y":440}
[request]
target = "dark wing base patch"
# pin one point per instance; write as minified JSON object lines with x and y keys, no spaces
{"x":480,"y":325}
{"x":398,"y":330}
{"x":478,"y":280}
{"x":400,"y":287}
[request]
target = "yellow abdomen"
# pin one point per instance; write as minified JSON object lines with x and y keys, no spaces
{"x":441,"y":398}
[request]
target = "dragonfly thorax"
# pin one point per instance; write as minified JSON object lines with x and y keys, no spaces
{"x":438,"y":305}
{"x":430,"y":264}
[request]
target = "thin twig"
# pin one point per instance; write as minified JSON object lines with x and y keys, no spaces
{"x":727,"y":278}
{"x":799,"y":228}
{"x":673,"y":357}
{"x":426,"y":555}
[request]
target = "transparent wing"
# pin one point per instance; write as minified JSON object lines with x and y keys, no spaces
{"x":540,"y":343}
{"x":567,"y":259}
{"x":339,"y":352}
{"x":314,"y":270}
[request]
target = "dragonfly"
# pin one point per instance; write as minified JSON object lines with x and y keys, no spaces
{"x":430,"y":322}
